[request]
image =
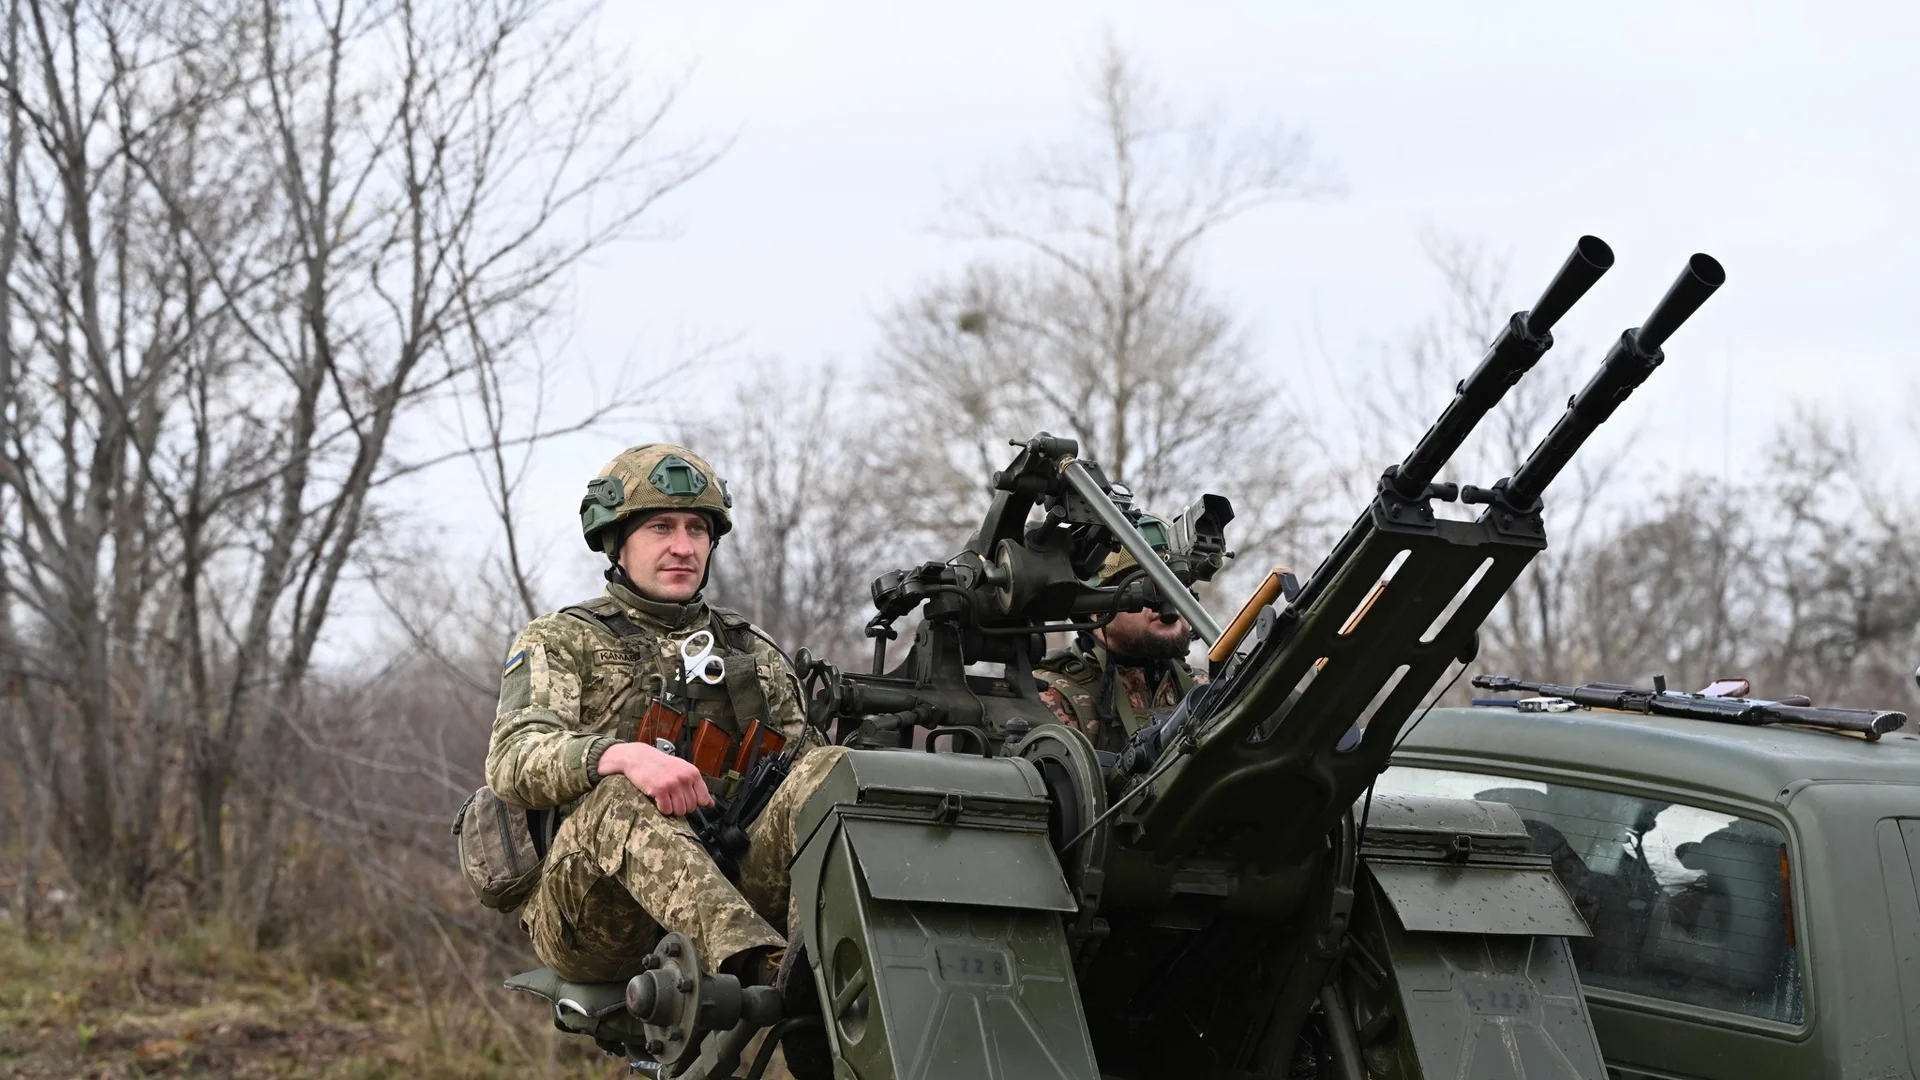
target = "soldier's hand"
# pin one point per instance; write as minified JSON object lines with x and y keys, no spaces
{"x":673,"y":784}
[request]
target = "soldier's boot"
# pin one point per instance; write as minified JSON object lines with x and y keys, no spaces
{"x":759,"y":966}
{"x":805,"y":1049}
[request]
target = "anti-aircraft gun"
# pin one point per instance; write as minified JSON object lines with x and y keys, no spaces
{"x":982,"y":894}
{"x":1192,"y":908}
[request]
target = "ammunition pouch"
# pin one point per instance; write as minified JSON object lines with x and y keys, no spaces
{"x":500,"y":850}
{"x":1085,"y":677}
{"x":722,"y":829}
{"x":723,"y":751}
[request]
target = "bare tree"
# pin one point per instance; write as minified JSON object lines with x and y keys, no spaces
{"x":261,"y":247}
{"x":1804,"y":580}
{"x":14,"y":731}
{"x":810,"y":533}
{"x":1086,"y":317}
{"x":1842,"y":564}
{"x":104,"y":305}
{"x":1678,"y":591}
{"x":489,"y":142}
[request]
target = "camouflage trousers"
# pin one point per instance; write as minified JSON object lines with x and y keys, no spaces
{"x":620,"y":873}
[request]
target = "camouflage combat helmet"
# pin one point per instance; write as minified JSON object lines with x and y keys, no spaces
{"x":1157,"y":533}
{"x":649,"y":477}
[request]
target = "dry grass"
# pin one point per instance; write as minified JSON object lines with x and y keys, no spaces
{"x":111,"y":1000}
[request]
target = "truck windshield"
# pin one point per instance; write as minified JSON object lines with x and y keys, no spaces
{"x":1686,"y":904}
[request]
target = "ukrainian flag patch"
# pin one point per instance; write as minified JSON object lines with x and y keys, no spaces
{"x":514,"y":663}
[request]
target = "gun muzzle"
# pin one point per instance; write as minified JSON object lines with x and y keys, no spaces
{"x":1521,"y":344}
{"x":1626,"y":366}
{"x":1702,"y":276}
{"x":1591,"y":257}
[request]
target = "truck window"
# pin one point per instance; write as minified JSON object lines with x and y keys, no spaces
{"x":1686,"y":904}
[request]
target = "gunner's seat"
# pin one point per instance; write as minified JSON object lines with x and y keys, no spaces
{"x":597,"y":1010}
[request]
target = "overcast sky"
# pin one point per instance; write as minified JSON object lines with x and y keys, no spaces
{"x":1778,"y":138}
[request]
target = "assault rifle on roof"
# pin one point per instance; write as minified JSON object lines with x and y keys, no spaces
{"x":1657,"y":700}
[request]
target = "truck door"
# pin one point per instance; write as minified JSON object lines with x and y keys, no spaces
{"x":1899,"y":843}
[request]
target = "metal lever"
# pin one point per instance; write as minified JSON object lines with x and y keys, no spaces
{"x":1157,"y":571}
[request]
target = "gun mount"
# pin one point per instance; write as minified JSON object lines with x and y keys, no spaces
{"x":1205,"y":903}
{"x":1212,"y":866}
{"x":1024,"y":574}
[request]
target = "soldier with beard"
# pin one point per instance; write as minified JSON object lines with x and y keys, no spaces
{"x":1110,"y":680}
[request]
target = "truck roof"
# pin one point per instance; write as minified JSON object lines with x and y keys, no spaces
{"x":1747,"y":763}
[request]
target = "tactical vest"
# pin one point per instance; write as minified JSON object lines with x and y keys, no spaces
{"x":732,"y":704}
{"x":1076,"y":675}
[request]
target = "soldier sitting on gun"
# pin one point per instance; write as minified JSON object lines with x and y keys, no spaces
{"x":577,"y":728}
{"x":1109,"y":681}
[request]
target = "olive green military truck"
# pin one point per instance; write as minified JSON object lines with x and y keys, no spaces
{"x":1753,"y":891}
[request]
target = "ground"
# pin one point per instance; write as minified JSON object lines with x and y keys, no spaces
{"x":107,"y":1002}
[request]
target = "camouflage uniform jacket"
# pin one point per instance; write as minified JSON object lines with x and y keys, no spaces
{"x":1074,"y":677}
{"x":573,"y":687}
